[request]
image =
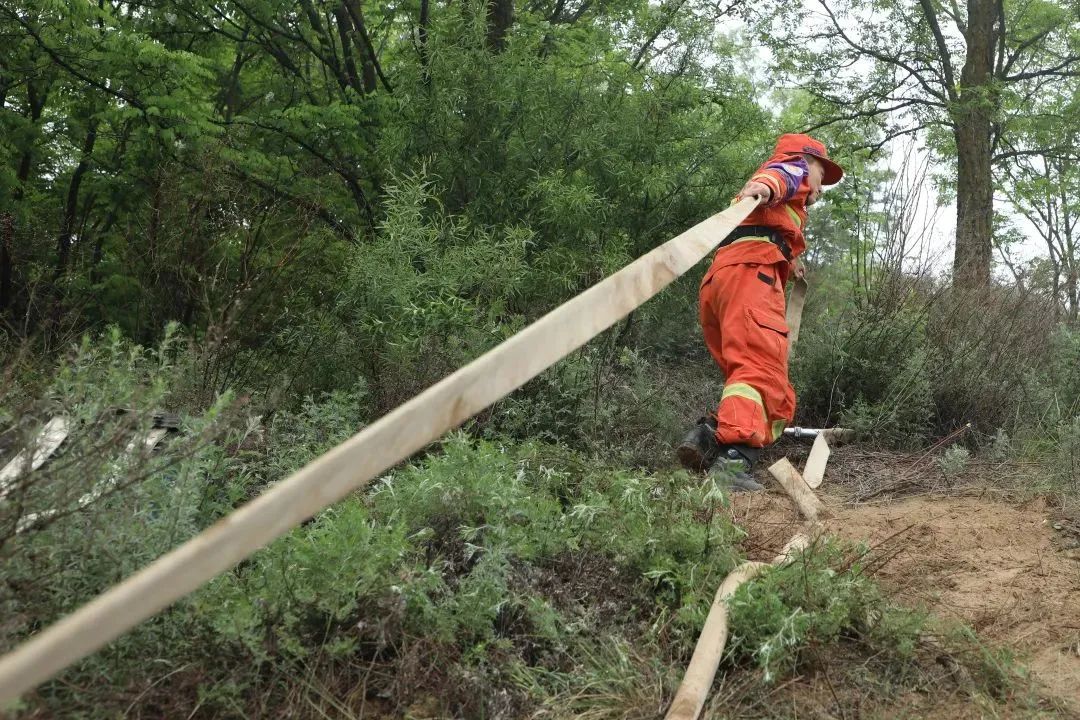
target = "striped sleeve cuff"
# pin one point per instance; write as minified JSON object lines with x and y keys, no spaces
{"x":772,"y":183}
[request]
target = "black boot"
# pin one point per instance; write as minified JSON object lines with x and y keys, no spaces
{"x":732,"y":468}
{"x":699,"y":448}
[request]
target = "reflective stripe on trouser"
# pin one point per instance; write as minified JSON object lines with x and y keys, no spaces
{"x":742,"y":317}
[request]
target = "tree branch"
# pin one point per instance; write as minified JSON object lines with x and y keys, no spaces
{"x":957,"y":17}
{"x":344,"y":170}
{"x":1021,"y":47}
{"x":340,"y":228}
{"x":1058,"y":70}
{"x":358,"y":20}
{"x":889,"y":136}
{"x":1062,"y":151}
{"x":943,"y":49}
{"x":55,"y":56}
{"x":882,"y":57}
{"x":668,"y":14}
{"x":862,"y":114}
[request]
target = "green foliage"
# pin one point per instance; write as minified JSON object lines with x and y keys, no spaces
{"x":909,"y":359}
{"x":454,"y":565}
{"x":1063,"y":376}
{"x":822,"y":597}
{"x":109,"y":390}
{"x":429,"y":293}
{"x":340,"y":203}
{"x":1056,"y":447}
{"x":615,"y":680}
{"x":436,"y":552}
{"x":870,"y":370}
{"x":624,"y":405}
{"x":242,"y":171}
{"x":105,"y":506}
{"x":338,"y":211}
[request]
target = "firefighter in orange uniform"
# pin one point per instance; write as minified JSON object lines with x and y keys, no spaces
{"x":741,"y":305}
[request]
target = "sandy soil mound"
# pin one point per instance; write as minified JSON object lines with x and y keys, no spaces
{"x":991,"y":564}
{"x":996,"y":565}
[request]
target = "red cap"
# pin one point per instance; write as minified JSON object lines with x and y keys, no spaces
{"x":795,"y":144}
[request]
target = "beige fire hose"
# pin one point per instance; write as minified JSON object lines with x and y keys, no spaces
{"x":354,"y":463}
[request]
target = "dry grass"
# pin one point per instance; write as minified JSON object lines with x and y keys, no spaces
{"x":858,"y":475}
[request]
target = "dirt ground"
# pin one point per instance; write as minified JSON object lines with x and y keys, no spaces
{"x":1004,"y":563}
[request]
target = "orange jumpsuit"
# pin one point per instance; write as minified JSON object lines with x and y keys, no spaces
{"x":741,"y":304}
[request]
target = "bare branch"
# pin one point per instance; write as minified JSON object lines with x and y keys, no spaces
{"x":862,"y":114}
{"x":1062,"y":69}
{"x":877,"y":55}
{"x":943,"y":49}
{"x":875,"y":147}
{"x":1021,"y":47}
{"x":1061,"y":151}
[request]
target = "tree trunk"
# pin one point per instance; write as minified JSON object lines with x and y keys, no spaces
{"x":71,"y":208}
{"x":345,"y":30}
{"x":500,"y":16}
{"x":422,"y":34}
{"x":99,"y":246}
{"x":36,"y":105}
{"x":974,"y":205}
{"x":154,"y":225}
{"x":1069,"y":263}
{"x":325,"y":49}
{"x":1072,"y":290}
{"x":6,"y":261}
{"x":972,"y":118}
{"x":369,"y":63}
{"x":230,"y":91}
{"x":7,"y":257}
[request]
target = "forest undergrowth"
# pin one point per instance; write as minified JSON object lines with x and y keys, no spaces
{"x":505,"y":572}
{"x":263,"y":225}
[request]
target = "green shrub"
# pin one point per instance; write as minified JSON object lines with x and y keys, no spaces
{"x":110,"y":391}
{"x":819,"y":598}
{"x":626,"y":406}
{"x":915,"y":361}
{"x":103,"y":507}
{"x":553,"y":407}
{"x":432,"y":551}
{"x":465,"y":561}
{"x":989,"y":345}
{"x":457,"y":562}
{"x":953,"y":462}
{"x":1058,"y":450}
{"x":1064,"y":372}
{"x":870,"y":370}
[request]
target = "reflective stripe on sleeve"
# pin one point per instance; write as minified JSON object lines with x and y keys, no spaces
{"x":773,"y":183}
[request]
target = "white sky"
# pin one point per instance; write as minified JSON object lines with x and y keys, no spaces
{"x":936,"y":218}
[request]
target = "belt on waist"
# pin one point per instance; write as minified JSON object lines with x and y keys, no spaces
{"x":762,"y":231}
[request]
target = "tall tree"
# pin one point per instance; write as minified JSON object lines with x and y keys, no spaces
{"x":961,"y":73}
{"x":206,"y":160}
